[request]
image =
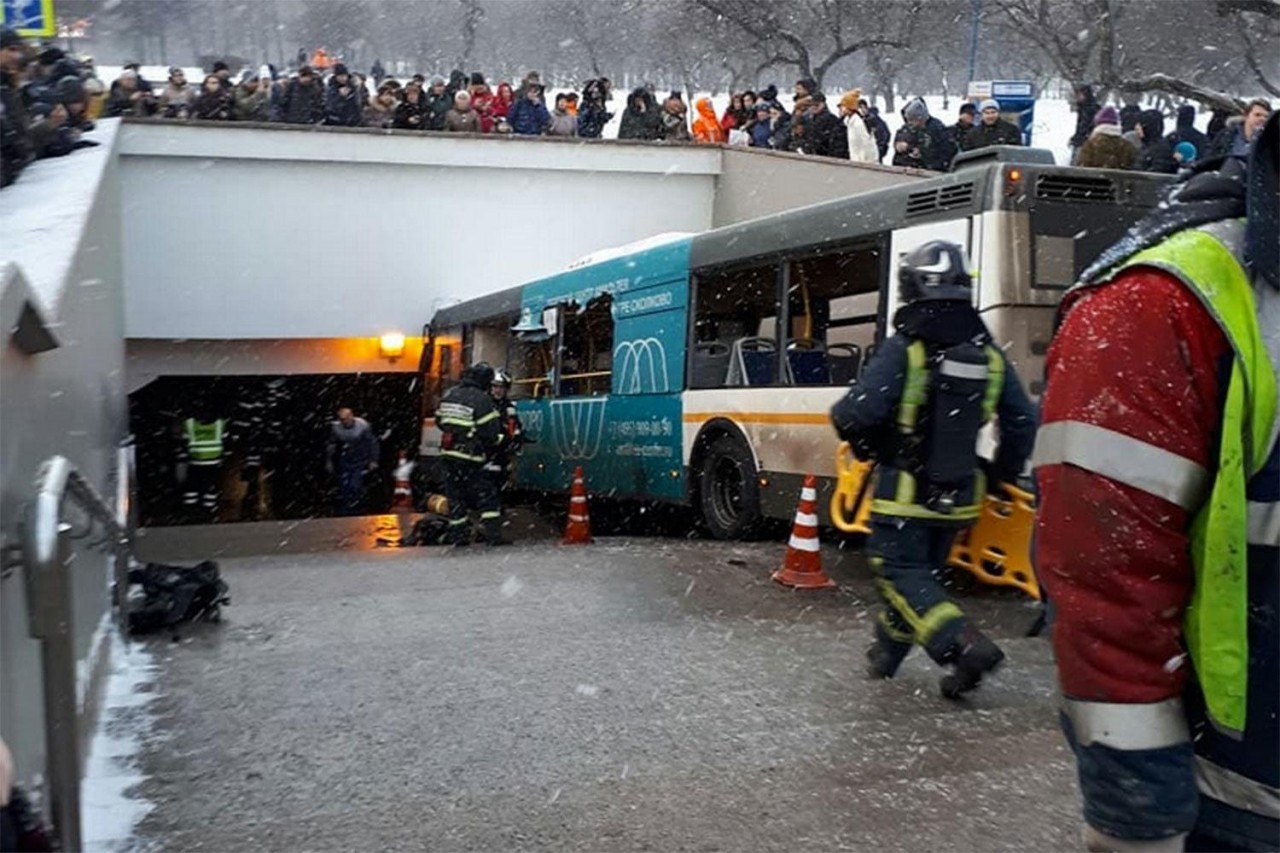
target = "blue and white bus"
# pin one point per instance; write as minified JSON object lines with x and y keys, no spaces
{"x":699,"y":369}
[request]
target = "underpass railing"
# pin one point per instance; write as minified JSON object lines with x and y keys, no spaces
{"x":48,"y":556}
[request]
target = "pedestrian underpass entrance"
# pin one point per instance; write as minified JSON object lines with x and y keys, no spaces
{"x":272,"y":461}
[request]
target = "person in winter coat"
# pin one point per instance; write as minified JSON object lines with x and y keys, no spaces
{"x":593,"y":115}
{"x":378,"y":73}
{"x":1086,"y":107}
{"x":877,"y":126}
{"x":805,"y":87}
{"x":1129,"y":114}
{"x":529,"y":116}
{"x":381,"y":111}
{"x":412,"y":112}
{"x":779,"y":127}
{"x":1237,"y":136}
{"x":502,"y":101}
{"x":351,"y":454}
{"x":760,"y":129}
{"x":862,"y":145}
{"x":1185,"y":130}
{"x":482,"y":100}
{"x":673,"y":124}
{"x":343,"y":105}
{"x":736,"y":115}
{"x":178,"y":95}
{"x":1156,"y":537}
{"x":991,"y":130}
{"x":1106,"y":148}
{"x":641,"y":118}
{"x":922,"y":141}
{"x":705,"y":127}
{"x":249,"y":100}
{"x":563,"y":123}
{"x":214,"y":102}
{"x":302,"y":101}
{"x":438,"y":101}
{"x":1156,"y":154}
{"x":462,"y":118}
{"x":826,"y":135}
{"x":127,"y":98}
{"x":964,"y":124}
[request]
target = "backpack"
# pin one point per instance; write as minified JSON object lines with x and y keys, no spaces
{"x":176,"y":594}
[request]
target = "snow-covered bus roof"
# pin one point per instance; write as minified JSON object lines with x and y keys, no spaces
{"x":601,"y":255}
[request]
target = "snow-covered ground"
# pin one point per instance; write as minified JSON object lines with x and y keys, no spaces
{"x":109,"y":806}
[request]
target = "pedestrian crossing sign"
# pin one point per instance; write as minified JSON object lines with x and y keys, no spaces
{"x":31,"y":18}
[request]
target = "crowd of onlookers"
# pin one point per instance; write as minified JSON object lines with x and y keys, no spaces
{"x":51,"y":98}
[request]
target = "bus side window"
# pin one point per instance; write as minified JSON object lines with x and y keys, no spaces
{"x":735,"y":327}
{"x":834,"y":308}
{"x":586,"y":349}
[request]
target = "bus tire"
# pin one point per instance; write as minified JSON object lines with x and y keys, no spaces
{"x":729,"y":489}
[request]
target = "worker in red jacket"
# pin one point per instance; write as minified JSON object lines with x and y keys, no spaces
{"x":1158,"y":535}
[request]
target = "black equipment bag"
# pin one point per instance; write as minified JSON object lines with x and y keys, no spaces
{"x":173,"y":595}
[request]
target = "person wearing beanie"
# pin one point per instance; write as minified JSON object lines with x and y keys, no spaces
{"x":964,"y":122}
{"x":922,"y":142}
{"x":1156,"y":154}
{"x":862,"y":145}
{"x":1106,"y":148}
{"x":178,"y":96}
{"x":223,"y":72}
{"x":343,"y":105}
{"x":249,"y":99}
{"x":760,"y":128}
{"x":302,"y":100}
{"x":1185,"y":130}
{"x":991,"y":130}
{"x":439,"y":101}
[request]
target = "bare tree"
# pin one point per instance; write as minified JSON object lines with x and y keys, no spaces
{"x":813,"y":35}
{"x":472,"y":15}
{"x":1255,"y":23}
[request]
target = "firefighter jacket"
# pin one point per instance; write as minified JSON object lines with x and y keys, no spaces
{"x":470,"y":424}
{"x":907,"y":411}
{"x":1158,"y":536}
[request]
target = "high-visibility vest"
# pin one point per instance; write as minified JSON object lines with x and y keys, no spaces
{"x":204,"y":441}
{"x":1209,"y":262}
{"x":896,"y":491}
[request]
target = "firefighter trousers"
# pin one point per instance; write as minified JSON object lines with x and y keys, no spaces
{"x":200,"y":494}
{"x":468,"y":488}
{"x":906,"y":556}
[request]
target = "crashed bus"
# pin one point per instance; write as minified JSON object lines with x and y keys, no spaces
{"x":698,"y":370}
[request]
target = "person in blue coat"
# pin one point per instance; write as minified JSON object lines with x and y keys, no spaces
{"x":529,"y":116}
{"x":760,"y":129}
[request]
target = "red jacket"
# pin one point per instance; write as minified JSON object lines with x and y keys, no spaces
{"x":1140,"y":356}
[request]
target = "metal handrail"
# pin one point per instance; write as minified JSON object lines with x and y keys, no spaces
{"x":47,"y":557}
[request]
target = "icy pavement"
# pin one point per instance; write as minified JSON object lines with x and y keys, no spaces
{"x":634,"y":694}
{"x":110,"y":804}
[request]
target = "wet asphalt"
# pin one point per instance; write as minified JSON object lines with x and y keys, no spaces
{"x":641,"y":693}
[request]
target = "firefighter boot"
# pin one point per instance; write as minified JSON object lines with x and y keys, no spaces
{"x":975,"y":656}
{"x":886,"y":654}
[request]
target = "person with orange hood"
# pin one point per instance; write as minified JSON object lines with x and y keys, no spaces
{"x":706,"y":127}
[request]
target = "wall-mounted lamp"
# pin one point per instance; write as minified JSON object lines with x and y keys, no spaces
{"x":391,"y":345}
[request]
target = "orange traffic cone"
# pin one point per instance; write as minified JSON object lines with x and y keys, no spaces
{"x":402,"y":497}
{"x":802,"y":567}
{"x":578,"y":530}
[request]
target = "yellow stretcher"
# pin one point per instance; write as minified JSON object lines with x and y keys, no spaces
{"x":996,"y":549}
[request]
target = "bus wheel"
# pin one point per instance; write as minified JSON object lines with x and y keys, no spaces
{"x":729,"y":490}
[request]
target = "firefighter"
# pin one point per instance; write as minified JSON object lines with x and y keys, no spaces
{"x":916,"y":411}
{"x":1158,"y":530}
{"x":470,"y":433}
{"x":204,"y":441}
{"x":504,"y":456}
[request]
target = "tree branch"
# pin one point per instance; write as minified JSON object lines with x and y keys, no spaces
{"x":1181,"y":88}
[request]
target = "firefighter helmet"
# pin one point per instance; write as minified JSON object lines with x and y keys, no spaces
{"x":935,"y":270}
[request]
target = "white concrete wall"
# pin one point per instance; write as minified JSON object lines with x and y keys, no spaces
{"x":283,"y":232}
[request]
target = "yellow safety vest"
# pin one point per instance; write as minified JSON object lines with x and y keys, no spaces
{"x":204,"y":441}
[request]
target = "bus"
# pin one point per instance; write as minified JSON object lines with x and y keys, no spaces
{"x":699,"y":369}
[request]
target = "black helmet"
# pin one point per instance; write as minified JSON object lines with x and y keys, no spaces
{"x":69,"y":90}
{"x":935,"y":270}
{"x":501,"y":377}
{"x":480,"y":375}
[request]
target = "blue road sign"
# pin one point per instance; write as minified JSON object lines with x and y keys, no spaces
{"x":31,"y":18}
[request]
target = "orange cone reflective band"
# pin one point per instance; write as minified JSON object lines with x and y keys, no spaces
{"x":578,"y":530}
{"x":802,"y":566}
{"x":402,"y":497}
